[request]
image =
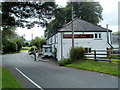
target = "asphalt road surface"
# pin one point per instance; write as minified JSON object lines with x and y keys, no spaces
{"x":44,"y":74}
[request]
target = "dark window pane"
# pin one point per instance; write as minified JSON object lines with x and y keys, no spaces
{"x":96,"y":36}
{"x":86,"y":49}
{"x":89,"y":50}
{"x":45,"y":49}
{"x":99,"y":35}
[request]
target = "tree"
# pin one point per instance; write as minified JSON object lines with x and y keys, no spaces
{"x":8,"y":32}
{"x":9,"y":46}
{"x":38,"y":42}
{"x":20,"y":41}
{"x":19,"y":13}
{"x":88,"y":11}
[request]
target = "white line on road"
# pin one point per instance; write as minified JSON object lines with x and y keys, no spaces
{"x":29,"y":79}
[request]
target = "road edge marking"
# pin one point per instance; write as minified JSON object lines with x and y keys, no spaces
{"x":29,"y":79}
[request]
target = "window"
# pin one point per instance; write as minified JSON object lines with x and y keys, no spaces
{"x":88,"y":50}
{"x":98,"y":35}
{"x":51,"y":40}
{"x":50,"y":49}
{"x":45,"y":49}
{"x":55,"y":38}
{"x":48,"y":41}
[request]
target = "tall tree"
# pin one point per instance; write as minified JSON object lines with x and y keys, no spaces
{"x":21,"y":13}
{"x":38,"y":42}
{"x":88,"y":11}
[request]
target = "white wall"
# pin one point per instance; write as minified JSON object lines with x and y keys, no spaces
{"x":94,"y":44}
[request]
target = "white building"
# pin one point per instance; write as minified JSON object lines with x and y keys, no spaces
{"x":87,"y":35}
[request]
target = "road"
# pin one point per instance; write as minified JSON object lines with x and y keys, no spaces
{"x":50,"y":75}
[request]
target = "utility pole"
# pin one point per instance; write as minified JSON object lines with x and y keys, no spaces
{"x":72,"y":27}
{"x":32,"y":36}
{"x":107,"y":34}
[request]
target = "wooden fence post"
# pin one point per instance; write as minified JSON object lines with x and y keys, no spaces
{"x":95,"y":55}
{"x":108,"y":55}
{"x":107,"y":52}
{"x":109,"y":58}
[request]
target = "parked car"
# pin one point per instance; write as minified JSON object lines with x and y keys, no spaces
{"x":46,"y":51}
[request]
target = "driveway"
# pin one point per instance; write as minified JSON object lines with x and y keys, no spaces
{"x":43,"y":74}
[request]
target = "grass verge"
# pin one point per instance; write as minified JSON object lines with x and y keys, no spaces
{"x":108,"y":68}
{"x":25,"y":49}
{"x":8,"y":80}
{"x":0,"y":78}
{"x":108,"y":59}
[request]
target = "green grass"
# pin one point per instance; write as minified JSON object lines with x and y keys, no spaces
{"x":102,"y":67}
{"x":108,"y":59}
{"x":0,"y":78}
{"x":8,"y":80}
{"x":25,"y":49}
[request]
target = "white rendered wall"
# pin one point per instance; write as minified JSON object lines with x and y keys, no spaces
{"x":94,"y":44}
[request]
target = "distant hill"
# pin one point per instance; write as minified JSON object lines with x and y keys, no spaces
{"x":116,"y":33}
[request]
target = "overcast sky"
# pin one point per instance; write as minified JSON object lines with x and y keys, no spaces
{"x":110,"y":17}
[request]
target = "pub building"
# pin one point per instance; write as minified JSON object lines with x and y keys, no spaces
{"x":87,"y":35}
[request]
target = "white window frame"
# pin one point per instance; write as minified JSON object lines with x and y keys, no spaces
{"x":99,"y":36}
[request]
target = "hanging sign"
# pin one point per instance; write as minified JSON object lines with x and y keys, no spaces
{"x":78,"y":35}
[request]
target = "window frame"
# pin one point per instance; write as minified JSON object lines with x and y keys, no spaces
{"x":88,"y":50}
{"x":98,"y":36}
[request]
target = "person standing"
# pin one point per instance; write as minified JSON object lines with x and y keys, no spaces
{"x":34,"y":53}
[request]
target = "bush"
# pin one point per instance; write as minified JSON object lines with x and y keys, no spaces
{"x":77,"y":53}
{"x":64,"y":62}
{"x":19,"y":46}
{"x":9,"y":47}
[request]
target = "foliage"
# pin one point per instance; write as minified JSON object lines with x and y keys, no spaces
{"x":9,"y":46}
{"x":102,"y":67}
{"x":20,"y":42}
{"x":18,"y":13}
{"x":12,"y":45}
{"x":64,"y":62}
{"x":8,"y":32}
{"x":77,"y":53}
{"x":38,"y":42}
{"x":88,"y":11}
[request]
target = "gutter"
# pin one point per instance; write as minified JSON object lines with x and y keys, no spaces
{"x":108,"y":37}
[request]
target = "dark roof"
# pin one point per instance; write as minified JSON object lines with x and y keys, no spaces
{"x":81,"y":25}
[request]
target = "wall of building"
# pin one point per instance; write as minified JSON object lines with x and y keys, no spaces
{"x":64,"y":45}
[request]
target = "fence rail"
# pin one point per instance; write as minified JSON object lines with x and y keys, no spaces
{"x":109,"y":55}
